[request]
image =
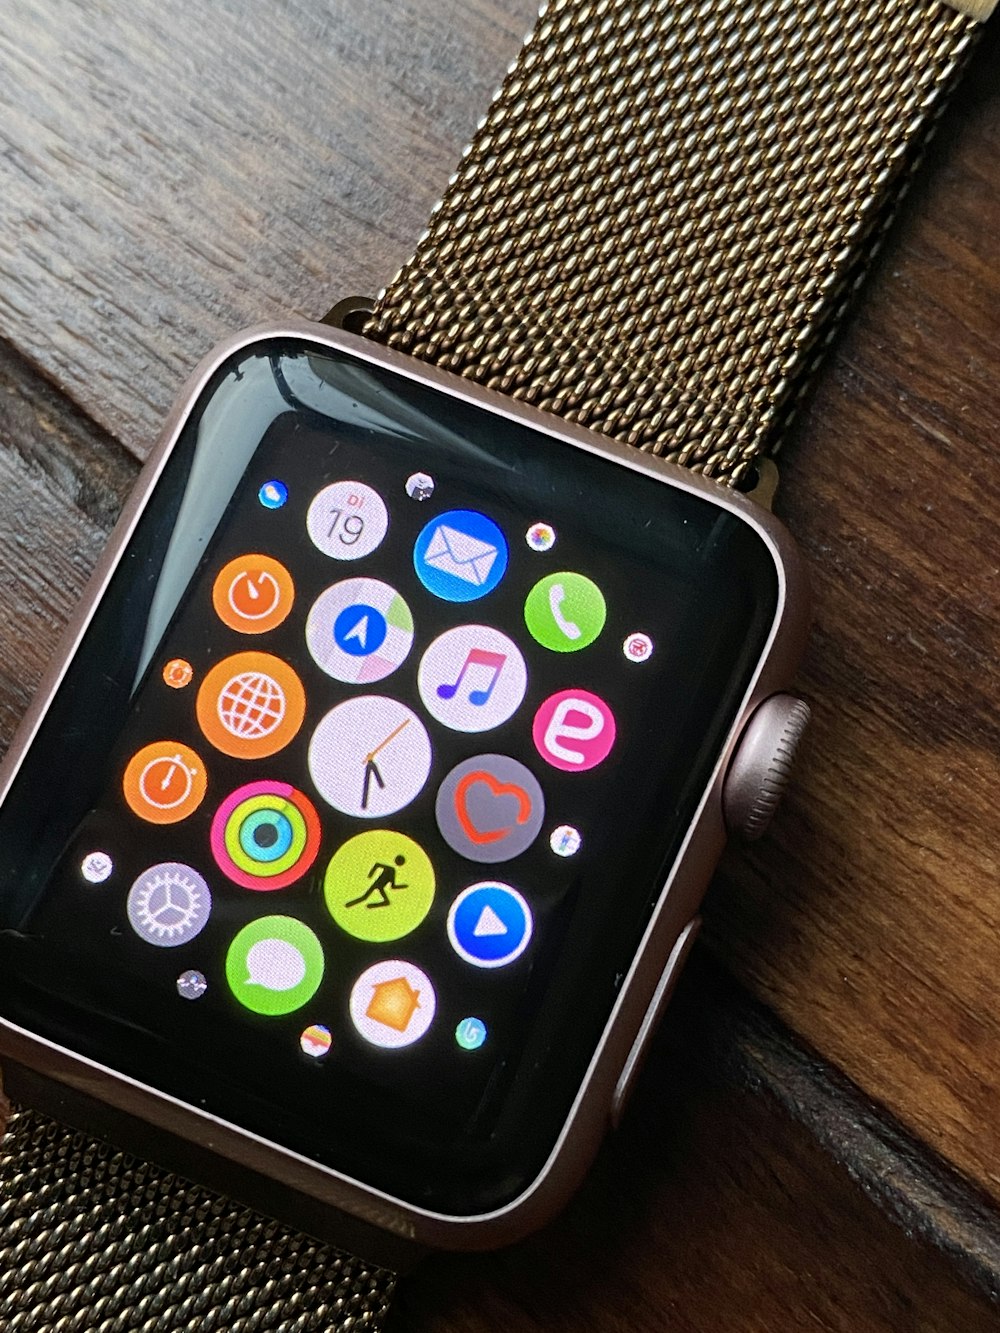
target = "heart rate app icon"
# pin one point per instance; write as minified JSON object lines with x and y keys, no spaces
{"x":490,"y":808}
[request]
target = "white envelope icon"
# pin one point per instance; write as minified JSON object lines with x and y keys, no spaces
{"x":454,"y":552}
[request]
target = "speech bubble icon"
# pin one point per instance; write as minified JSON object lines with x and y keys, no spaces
{"x":274,"y":965}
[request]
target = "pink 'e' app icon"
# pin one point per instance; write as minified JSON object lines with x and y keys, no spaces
{"x":574,"y":730}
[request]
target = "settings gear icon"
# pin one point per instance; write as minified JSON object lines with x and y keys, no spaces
{"x":169,"y":904}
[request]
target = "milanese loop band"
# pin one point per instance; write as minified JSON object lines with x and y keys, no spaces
{"x":95,"y":1241}
{"x":664,"y":209}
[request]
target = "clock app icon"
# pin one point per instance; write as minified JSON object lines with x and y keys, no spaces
{"x":370,"y":756}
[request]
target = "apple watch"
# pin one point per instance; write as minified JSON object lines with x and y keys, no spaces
{"x":410,"y":707}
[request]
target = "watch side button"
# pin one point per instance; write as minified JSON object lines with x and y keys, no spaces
{"x":661,"y":997}
{"x":762,"y":765}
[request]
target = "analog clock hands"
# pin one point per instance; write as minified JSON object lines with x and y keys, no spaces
{"x":371,"y":772}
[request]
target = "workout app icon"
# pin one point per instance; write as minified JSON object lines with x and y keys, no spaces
{"x":250,"y":705}
{"x":265,"y":835}
{"x":370,"y":756}
{"x":490,"y":808}
{"x":460,"y":556}
{"x":489,"y":924}
{"x":359,"y":631}
{"x":347,"y":520}
{"x":574,"y":730}
{"x":565,"y":612}
{"x":393,"y":1004}
{"x":472,"y":678}
{"x":274,"y":965}
{"x":168,"y":904}
{"x":253,"y":594}
{"x":164,"y":782}
{"x":379,"y":886}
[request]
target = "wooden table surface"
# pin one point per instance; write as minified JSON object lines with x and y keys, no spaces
{"x":816,"y":1141}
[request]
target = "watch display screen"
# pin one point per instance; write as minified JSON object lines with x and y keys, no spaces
{"x":357,"y":796}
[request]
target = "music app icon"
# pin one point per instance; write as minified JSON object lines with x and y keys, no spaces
{"x":472,"y":678}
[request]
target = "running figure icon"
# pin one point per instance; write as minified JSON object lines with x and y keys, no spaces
{"x":386,"y":880}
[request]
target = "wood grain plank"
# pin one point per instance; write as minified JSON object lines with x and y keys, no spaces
{"x":711,"y":1210}
{"x":63,"y":483}
{"x":169,"y":175}
{"x":871,"y":919}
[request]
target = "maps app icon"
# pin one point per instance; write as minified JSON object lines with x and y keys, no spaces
{"x":460,"y":556}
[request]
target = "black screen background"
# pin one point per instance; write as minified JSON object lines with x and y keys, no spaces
{"x":444,"y":1128}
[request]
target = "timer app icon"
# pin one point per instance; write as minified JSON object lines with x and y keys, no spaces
{"x":253,"y":594}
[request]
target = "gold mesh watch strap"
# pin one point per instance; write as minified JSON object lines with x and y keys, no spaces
{"x":95,"y":1241}
{"x":667,"y":205}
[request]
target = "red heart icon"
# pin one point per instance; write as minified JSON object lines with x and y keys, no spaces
{"x":483,"y":836}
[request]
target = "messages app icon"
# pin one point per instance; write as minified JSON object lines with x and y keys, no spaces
{"x":274,"y":965}
{"x":460,"y":556}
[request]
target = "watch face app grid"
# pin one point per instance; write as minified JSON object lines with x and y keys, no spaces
{"x":369,"y":757}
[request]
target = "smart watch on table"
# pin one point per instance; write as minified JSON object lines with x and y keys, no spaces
{"x":414,"y":698}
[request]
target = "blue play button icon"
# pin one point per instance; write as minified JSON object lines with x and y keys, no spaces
{"x":489,"y":924}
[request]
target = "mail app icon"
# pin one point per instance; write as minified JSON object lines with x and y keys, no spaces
{"x":460,"y":556}
{"x":457,"y":553}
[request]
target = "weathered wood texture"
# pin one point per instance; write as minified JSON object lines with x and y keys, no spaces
{"x":169,"y":172}
{"x":871,"y":918}
{"x":708,"y":1213}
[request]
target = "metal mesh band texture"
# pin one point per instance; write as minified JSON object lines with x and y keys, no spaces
{"x":666,"y":206}
{"x":95,"y":1241}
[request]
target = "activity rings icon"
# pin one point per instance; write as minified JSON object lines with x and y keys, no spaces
{"x":265,"y":835}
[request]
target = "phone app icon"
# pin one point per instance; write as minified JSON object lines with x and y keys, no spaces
{"x":164,"y":782}
{"x":490,"y":808}
{"x":359,"y":631}
{"x":379,"y":886}
{"x":565,"y":612}
{"x":274,"y":965}
{"x":251,"y":705}
{"x":489,"y":924}
{"x":168,"y":904}
{"x":393,"y":1004}
{"x":253,"y":594}
{"x":574,"y":730}
{"x":460,"y":556}
{"x":370,"y":756}
{"x":265,"y":835}
{"x":347,"y":520}
{"x":472,"y":678}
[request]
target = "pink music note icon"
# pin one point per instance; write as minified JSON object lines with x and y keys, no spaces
{"x":476,"y":657}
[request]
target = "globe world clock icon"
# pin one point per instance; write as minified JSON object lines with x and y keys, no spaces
{"x":250,"y":705}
